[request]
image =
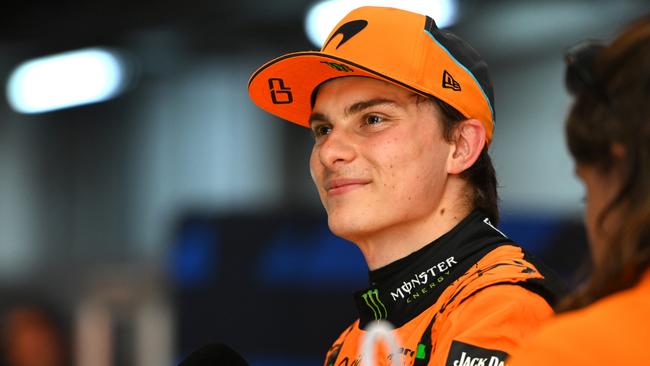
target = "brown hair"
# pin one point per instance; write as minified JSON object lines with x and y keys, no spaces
{"x":481,"y":175}
{"x":615,"y":111}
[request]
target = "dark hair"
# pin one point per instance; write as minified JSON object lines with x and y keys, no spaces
{"x":612,"y":108}
{"x":481,"y":174}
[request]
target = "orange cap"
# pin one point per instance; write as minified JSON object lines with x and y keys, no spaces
{"x":394,"y":45}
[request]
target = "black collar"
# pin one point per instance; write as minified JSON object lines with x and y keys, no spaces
{"x":405,"y":288}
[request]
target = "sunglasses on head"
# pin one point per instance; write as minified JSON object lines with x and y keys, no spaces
{"x":579,"y":60}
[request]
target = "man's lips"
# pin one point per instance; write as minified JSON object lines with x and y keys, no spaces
{"x":342,"y":185}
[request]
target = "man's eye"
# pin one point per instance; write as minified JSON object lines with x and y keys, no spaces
{"x":373,"y":120}
{"x":321,"y":130}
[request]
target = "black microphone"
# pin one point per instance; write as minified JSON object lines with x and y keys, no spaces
{"x":214,"y":354}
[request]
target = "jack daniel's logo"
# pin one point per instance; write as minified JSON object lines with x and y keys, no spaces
{"x":466,"y":360}
{"x":464,"y":354}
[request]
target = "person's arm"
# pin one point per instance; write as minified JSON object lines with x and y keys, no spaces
{"x":584,"y":339}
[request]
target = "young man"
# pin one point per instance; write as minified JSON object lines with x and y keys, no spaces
{"x":402,"y":114}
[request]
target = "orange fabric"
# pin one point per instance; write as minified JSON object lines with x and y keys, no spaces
{"x":392,"y":45}
{"x":484,"y":308}
{"x":498,"y":317}
{"x":612,"y":331}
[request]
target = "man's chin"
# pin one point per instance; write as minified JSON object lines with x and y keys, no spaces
{"x":347,"y":227}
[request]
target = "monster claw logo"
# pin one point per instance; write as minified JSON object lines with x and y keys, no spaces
{"x":337,"y":67}
{"x":371,"y":297}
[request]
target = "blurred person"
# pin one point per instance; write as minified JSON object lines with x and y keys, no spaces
{"x":31,"y":335}
{"x":402,"y":116}
{"x":607,"y":321}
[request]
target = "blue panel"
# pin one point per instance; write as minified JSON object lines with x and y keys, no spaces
{"x":194,"y":257}
{"x":306,"y":259}
{"x":532,"y":232}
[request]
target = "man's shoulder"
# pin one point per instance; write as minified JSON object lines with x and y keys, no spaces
{"x":509,"y":264}
{"x":489,"y":324}
{"x":504,"y":301}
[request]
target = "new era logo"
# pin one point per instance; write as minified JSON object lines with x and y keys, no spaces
{"x":449,"y":82}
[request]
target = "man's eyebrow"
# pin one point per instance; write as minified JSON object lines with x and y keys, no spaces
{"x":360,"y":106}
{"x":354,"y":108}
{"x":318,"y":117}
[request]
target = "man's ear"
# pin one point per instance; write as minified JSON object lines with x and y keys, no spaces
{"x":469,"y":140}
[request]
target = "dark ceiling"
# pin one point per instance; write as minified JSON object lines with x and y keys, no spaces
{"x":502,"y":29}
{"x":63,"y":24}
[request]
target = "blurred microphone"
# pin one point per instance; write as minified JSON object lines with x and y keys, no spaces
{"x":214,"y":354}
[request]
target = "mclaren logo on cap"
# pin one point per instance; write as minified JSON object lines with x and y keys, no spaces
{"x":348,"y":30}
{"x":449,"y":82}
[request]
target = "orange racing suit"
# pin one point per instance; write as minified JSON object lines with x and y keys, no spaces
{"x":467,"y":299}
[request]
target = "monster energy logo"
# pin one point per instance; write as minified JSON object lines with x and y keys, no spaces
{"x":338,"y":67}
{"x":371,"y":297}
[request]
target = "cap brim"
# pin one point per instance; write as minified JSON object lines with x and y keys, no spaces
{"x":284,"y":86}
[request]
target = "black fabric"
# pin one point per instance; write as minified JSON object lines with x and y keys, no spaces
{"x":214,"y":354}
{"x":466,"y":55}
{"x":552,"y":288}
{"x":405,"y":288}
{"x":422,"y":359}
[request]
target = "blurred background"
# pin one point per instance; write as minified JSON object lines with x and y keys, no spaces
{"x":148,"y":207}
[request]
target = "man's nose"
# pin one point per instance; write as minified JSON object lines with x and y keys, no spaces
{"x":337,"y":149}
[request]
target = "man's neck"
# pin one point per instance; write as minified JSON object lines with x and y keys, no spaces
{"x":393,"y":243}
